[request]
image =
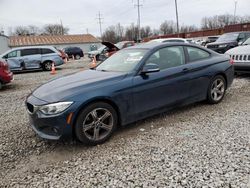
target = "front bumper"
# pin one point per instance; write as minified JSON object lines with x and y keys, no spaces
{"x":242,"y":66}
{"x":49,"y":127}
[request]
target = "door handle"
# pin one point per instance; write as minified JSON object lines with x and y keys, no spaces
{"x":185,"y":70}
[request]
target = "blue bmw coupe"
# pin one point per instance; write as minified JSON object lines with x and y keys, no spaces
{"x":133,"y":84}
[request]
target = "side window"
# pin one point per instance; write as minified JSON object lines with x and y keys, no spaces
{"x":168,"y":57}
{"x":196,"y":54}
{"x":241,"y":37}
{"x":47,"y":51}
{"x":12,"y":54}
{"x":32,"y":51}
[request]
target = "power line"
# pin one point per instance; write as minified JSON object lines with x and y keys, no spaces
{"x":138,"y":5}
{"x":100,"y":22}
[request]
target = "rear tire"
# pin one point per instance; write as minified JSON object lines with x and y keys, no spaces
{"x":96,"y":123}
{"x":47,"y":66}
{"x":216,"y":90}
{"x":77,"y":57}
{"x":1,"y":85}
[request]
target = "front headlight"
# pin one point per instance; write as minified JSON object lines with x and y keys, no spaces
{"x":55,"y":108}
{"x":222,"y":45}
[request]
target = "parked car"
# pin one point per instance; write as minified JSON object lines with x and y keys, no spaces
{"x":74,"y":52}
{"x":170,"y":40}
{"x":33,"y":57}
{"x":209,"y":39}
{"x":5,"y":74}
{"x":228,"y":41}
{"x":132,"y":84}
{"x":109,"y":49}
{"x":241,"y":57}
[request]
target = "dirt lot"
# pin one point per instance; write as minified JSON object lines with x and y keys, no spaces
{"x":199,"y":145}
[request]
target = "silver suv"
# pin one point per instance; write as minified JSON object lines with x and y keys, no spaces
{"x":34,"y":57}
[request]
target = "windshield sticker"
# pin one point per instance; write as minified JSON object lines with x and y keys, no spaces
{"x":134,"y":59}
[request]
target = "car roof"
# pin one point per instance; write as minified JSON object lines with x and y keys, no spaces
{"x":151,"y":46}
{"x":166,"y":39}
{"x":28,"y":47}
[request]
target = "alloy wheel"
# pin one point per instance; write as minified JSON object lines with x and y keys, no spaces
{"x":218,"y":89}
{"x":48,"y":66}
{"x":98,"y":124}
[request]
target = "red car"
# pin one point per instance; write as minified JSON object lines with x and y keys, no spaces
{"x":5,"y":74}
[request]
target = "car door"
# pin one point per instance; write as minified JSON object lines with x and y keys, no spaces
{"x":167,"y":87}
{"x":14,"y":60}
{"x":199,"y":62}
{"x":31,"y":58}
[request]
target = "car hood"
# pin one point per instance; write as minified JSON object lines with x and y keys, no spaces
{"x":65,"y":87}
{"x":240,"y":50}
{"x":222,"y":42}
{"x":110,"y":45}
{"x":94,"y":52}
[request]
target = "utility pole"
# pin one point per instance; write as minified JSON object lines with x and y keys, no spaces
{"x":235,"y":6}
{"x":138,"y":5}
{"x":177,"y":19}
{"x":100,"y":22}
{"x":62,"y":32}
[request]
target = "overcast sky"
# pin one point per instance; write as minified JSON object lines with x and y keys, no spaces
{"x":79,"y":15}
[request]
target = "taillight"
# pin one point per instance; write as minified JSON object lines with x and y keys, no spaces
{"x":1,"y":64}
{"x":231,"y":61}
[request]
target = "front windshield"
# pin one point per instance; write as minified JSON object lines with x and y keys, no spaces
{"x":122,"y":61}
{"x":101,"y":48}
{"x":247,"y":42}
{"x":228,"y":37}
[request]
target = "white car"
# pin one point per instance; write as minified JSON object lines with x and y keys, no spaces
{"x":170,"y":40}
{"x":241,"y":57}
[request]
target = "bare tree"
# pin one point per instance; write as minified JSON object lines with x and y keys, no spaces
{"x":110,"y":35}
{"x":167,"y":27}
{"x":55,"y":29}
{"x":188,"y":28}
{"x":219,"y":21}
{"x":146,"y":31}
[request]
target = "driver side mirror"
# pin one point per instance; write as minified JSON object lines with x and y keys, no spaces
{"x":150,"y":68}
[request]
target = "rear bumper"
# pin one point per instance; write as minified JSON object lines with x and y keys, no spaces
{"x":6,"y":77}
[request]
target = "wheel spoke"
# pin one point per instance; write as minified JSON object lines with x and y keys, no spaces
{"x":105,"y":126}
{"x":89,"y":126}
{"x":94,"y":115}
{"x":215,"y":95}
{"x":96,"y":134}
{"x":219,"y":85}
{"x":105,"y":116}
{"x":220,"y":92}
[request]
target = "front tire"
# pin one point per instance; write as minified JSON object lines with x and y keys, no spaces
{"x":47,"y":66}
{"x":96,"y":123}
{"x":216,"y":90}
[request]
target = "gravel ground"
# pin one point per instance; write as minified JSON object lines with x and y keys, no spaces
{"x":195,"y":146}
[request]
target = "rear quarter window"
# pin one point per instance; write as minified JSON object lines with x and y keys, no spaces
{"x":47,"y":51}
{"x":195,"y":54}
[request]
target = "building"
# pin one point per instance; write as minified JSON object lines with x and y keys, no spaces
{"x":4,"y":43}
{"x":83,"y":41}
